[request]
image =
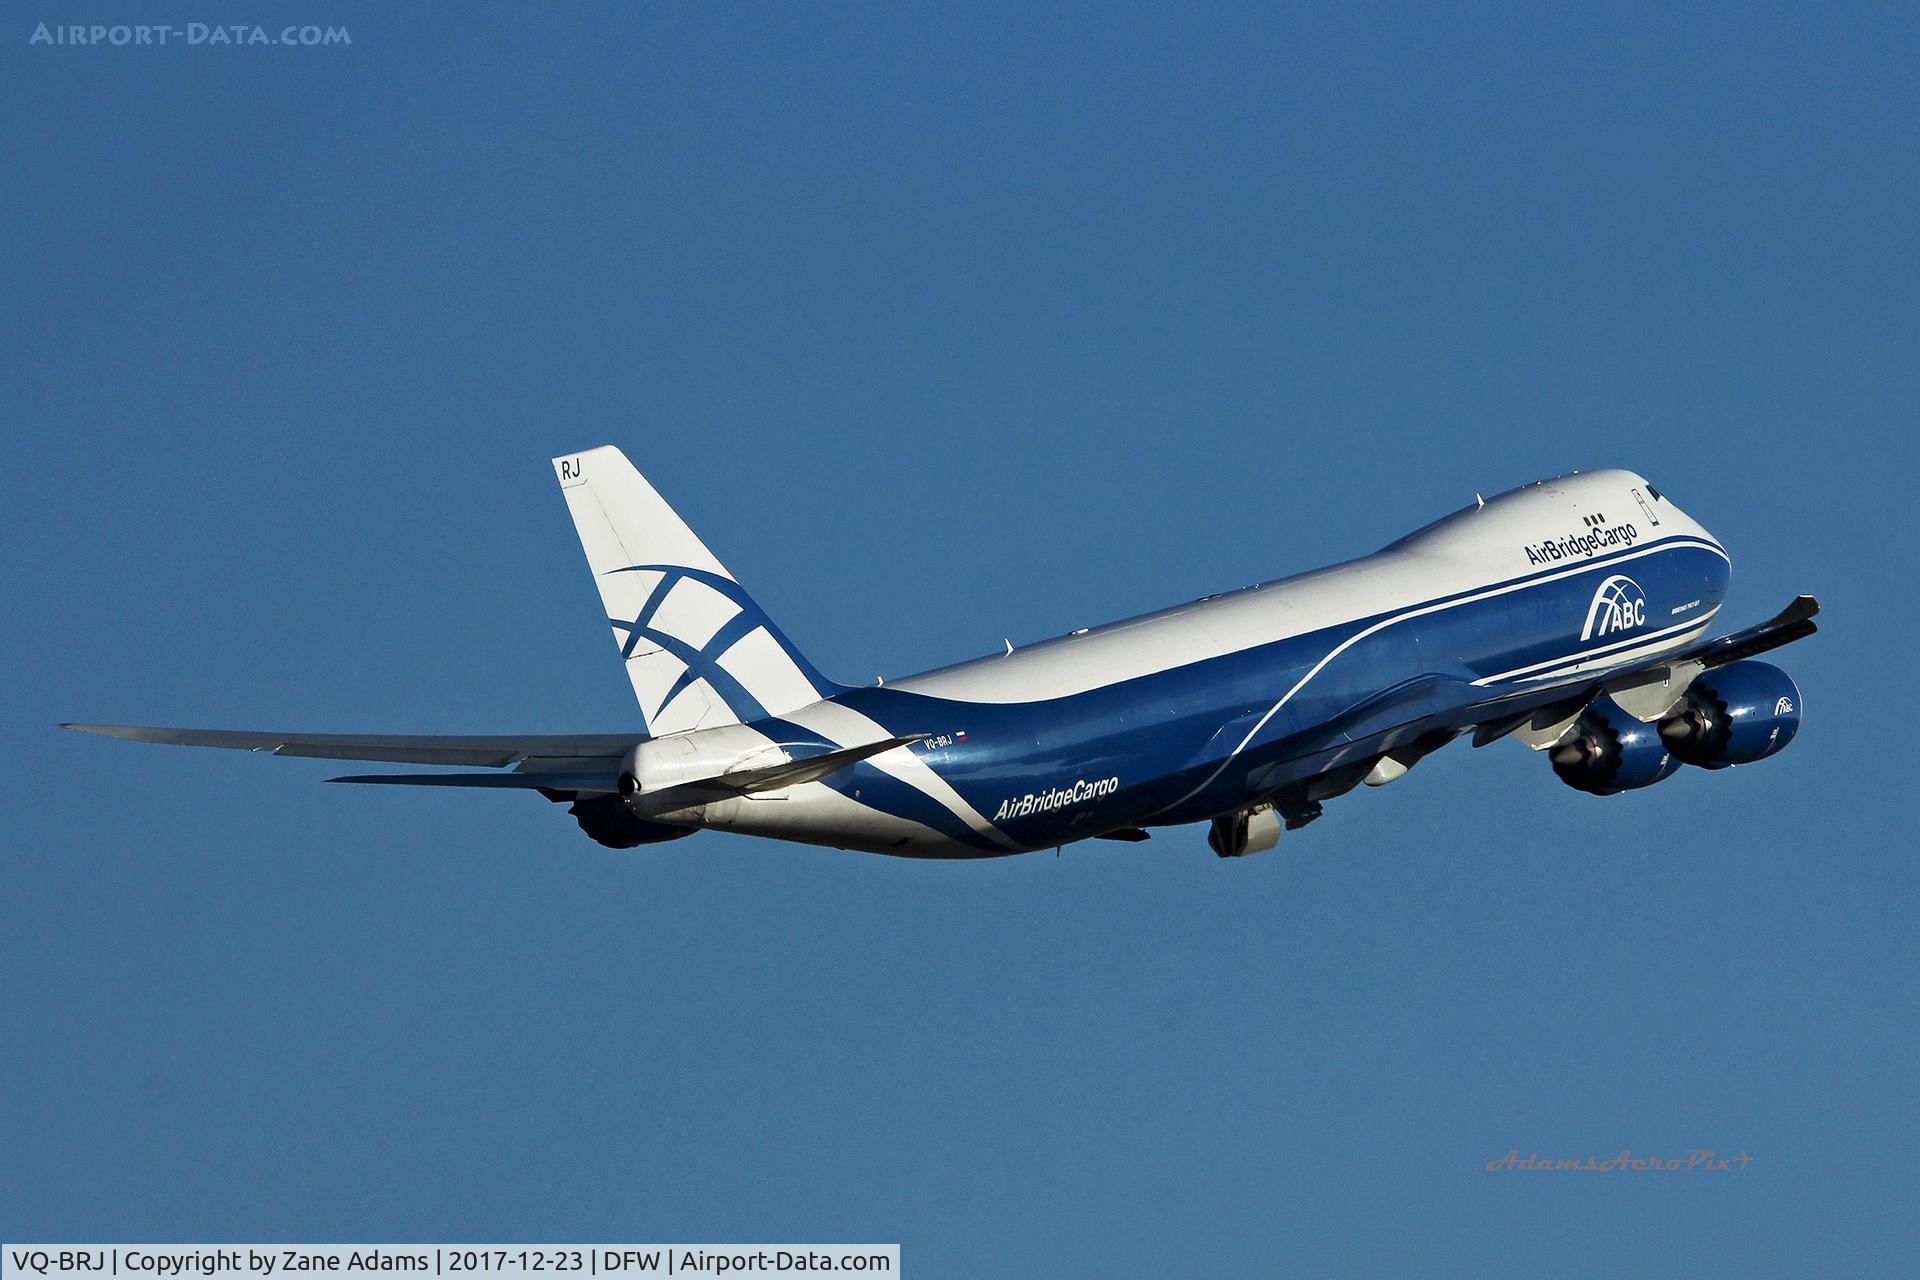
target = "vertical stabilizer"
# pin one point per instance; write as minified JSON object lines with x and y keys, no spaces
{"x":697,"y":648}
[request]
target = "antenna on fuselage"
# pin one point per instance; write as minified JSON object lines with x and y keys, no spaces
{"x":1479,"y":501}
{"x":1009,"y":644}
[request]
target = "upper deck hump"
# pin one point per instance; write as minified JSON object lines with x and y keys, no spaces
{"x":1508,"y":536}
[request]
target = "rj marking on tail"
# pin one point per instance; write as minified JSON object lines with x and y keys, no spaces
{"x":1527,"y":615}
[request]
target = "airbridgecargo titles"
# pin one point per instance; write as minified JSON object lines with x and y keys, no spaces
{"x":1581,"y":545}
{"x":1247,"y":711}
{"x":1047,"y":801}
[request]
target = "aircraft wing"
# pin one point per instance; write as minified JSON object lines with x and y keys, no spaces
{"x":485,"y":751}
{"x":1795,"y":622}
{"x":1496,"y":717}
{"x":1416,"y":717}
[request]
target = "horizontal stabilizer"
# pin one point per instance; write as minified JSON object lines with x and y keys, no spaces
{"x":571,"y":782}
{"x":746,"y":782}
{"x":741,"y":782}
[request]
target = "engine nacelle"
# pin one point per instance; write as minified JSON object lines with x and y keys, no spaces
{"x":1736,"y":714}
{"x":608,"y":820}
{"x":1607,"y":751}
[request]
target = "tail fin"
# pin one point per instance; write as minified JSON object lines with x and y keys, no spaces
{"x":699,"y":651}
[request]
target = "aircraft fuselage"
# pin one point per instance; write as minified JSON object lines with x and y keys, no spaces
{"x":1181,"y":715}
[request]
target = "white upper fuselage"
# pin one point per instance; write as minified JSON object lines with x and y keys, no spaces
{"x":1477,"y":546}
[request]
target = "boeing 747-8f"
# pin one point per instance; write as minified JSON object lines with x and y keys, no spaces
{"x":1570,"y":614}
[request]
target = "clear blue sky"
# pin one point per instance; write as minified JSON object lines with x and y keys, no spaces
{"x":941,"y":325}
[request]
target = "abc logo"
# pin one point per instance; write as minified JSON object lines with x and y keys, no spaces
{"x":1618,"y":605}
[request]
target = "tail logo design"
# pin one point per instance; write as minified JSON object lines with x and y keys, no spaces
{"x":697,"y":650}
{"x":706,"y":661}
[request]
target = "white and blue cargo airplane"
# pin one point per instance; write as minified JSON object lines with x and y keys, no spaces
{"x":1568,"y":614}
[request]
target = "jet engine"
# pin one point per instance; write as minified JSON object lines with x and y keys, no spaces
{"x":608,"y":820}
{"x":1607,"y":751}
{"x":1736,"y":714}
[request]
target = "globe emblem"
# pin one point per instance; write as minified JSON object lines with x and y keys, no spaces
{"x":1618,"y":605}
